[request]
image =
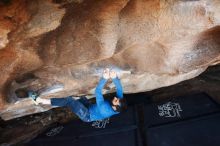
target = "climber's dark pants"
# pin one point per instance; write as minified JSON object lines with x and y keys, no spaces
{"x":79,"y":107}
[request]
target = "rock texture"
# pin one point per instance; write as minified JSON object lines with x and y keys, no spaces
{"x":19,"y":130}
{"x":151,"y":43}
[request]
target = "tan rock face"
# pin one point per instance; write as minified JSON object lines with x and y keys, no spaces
{"x":151,"y":44}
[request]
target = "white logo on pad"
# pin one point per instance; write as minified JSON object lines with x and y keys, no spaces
{"x":169,"y":110}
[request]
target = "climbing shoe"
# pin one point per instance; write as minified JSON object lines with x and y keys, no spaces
{"x":33,"y":95}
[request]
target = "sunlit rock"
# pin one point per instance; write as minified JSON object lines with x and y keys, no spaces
{"x":151,"y":44}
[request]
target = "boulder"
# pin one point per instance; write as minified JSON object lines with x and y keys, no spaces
{"x":68,"y":43}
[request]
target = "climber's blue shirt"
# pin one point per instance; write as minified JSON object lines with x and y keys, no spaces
{"x":102,"y":109}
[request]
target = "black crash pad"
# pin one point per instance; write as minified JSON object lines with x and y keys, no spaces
{"x":179,"y":108}
{"x":119,"y":130}
{"x":182,"y":121}
{"x":203,"y":131}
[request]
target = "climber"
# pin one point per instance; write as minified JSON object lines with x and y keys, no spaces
{"x":91,"y":112}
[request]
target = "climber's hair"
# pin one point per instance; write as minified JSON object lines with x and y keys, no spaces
{"x":123,"y":105}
